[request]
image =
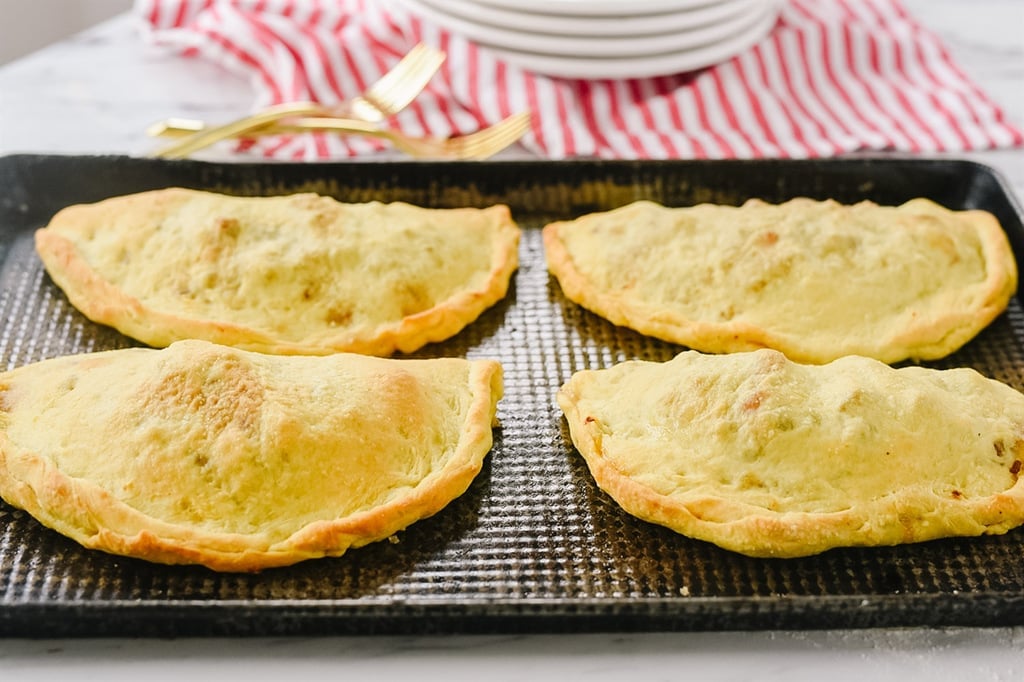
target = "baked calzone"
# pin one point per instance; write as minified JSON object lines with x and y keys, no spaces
{"x":290,"y":274}
{"x":771,"y":458}
{"x":206,"y":454}
{"x":814,"y":279}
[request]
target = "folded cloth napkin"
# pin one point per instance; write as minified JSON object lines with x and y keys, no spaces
{"x":833,"y":76}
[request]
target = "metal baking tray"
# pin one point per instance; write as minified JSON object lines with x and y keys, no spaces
{"x":533,"y":545}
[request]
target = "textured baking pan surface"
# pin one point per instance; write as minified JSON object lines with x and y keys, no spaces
{"x":533,"y":545}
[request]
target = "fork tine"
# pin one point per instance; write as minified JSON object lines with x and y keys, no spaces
{"x":478,"y":145}
{"x":399,"y":86}
{"x":490,"y":141}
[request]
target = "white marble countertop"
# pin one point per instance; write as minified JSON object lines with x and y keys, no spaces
{"x":97,"y":92}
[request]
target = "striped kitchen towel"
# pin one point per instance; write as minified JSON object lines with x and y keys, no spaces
{"x":833,"y":76}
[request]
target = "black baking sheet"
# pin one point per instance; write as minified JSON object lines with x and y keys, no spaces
{"x":533,"y":545}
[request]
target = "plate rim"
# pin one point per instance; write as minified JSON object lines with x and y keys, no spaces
{"x":605,"y":7}
{"x":580,"y":47}
{"x":592,"y":26}
{"x":649,"y":66}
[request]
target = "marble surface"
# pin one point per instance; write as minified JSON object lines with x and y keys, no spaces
{"x":97,"y":92}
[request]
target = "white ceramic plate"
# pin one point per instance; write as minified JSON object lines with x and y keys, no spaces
{"x":591,"y":7}
{"x":640,"y":67}
{"x":603,"y":47}
{"x":594,"y":25}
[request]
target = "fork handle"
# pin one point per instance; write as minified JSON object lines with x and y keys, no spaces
{"x":183,"y":127}
{"x":214,"y":134}
{"x":177,"y":127}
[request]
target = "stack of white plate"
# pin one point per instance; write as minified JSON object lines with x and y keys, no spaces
{"x":606,"y":38}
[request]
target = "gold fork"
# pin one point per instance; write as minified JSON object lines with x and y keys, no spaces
{"x":386,"y":97}
{"x":397,"y":88}
{"x":480,"y":144}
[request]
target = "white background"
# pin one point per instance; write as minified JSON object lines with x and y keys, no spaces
{"x":28,"y":25}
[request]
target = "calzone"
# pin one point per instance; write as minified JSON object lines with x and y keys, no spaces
{"x":771,"y":458}
{"x":814,"y":279}
{"x":285,"y":274}
{"x":206,"y":454}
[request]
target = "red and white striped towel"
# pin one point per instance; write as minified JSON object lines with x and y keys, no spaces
{"x":834,"y":76}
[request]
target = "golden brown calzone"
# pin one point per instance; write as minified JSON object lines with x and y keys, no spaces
{"x":814,"y":279}
{"x":770,"y":458}
{"x":239,"y":461}
{"x":287,"y":274}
